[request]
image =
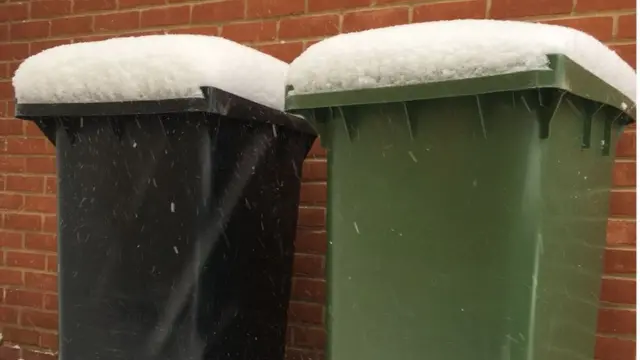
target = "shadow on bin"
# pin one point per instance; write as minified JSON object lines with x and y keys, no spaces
{"x":176,"y":226}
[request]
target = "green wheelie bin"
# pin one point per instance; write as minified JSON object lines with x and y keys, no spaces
{"x":466,"y":215}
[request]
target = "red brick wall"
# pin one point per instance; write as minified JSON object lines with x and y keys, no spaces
{"x":282,"y":28}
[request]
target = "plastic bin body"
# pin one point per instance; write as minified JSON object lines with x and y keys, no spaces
{"x":466,"y":227}
{"x":175,"y":231}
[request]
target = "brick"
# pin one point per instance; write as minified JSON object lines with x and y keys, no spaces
{"x":23,"y":222}
{"x":627,"y":27}
{"x":39,"y":319}
{"x":10,"y":127}
{"x":610,"y":348}
{"x":13,"y":66}
{"x":626,"y":146}
{"x":39,"y":46}
{"x":324,"y":5}
{"x":619,"y":261}
{"x":50,"y":224}
{"x":49,"y":341}
{"x":11,"y":239}
{"x":309,"y":337}
{"x":201,"y":30}
{"x":303,"y":312}
{"x":9,"y":352}
{"x":314,"y":170}
{"x":38,"y":281}
{"x":23,"y":298}
{"x":28,"y":184}
{"x":6,"y":90}
{"x":28,"y":354}
{"x":42,"y":204}
{"x":52,"y":263}
{"x":32,"y":129}
{"x":311,"y":241}
{"x":30,"y":30}
{"x":126,"y":4}
{"x":46,"y":242}
{"x":10,"y":52}
{"x":474,"y":9}
{"x":10,"y":277}
{"x":82,"y":39}
{"x":8,"y":315}
{"x":72,"y":26}
{"x":271,"y":8}
{"x":364,"y":20}
{"x":117,"y":22}
{"x":604,"y":5}
{"x":51,"y":186}
{"x":26,"y":146}
{"x":26,"y":260}
{"x":4,"y":32}
{"x":313,"y":193}
{"x":623,"y":203}
{"x":165,"y":16}
{"x":80,"y":6}
{"x":21,"y":336}
{"x":12,"y":164}
{"x":250,"y":32}
{"x":627,"y":53}
{"x":617,"y":321}
{"x":618,"y":290}
{"x":11,"y":201}
{"x":41,"y":165}
{"x":51,"y":302}
{"x":309,"y":290}
{"x":302,"y":354}
{"x":44,"y":9}
{"x":624,"y":173}
{"x":308,"y":265}
{"x":14,"y":11}
{"x":217,"y":11}
{"x":308,"y":43}
{"x":317,"y":151}
{"x":309,"y":26}
{"x":621,"y":232}
{"x":311,"y":217}
{"x":600,"y":27}
{"x":286,"y":52}
{"x":501,"y":9}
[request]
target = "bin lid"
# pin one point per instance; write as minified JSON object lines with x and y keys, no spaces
{"x":457,"y":58}
{"x":153,"y":67}
{"x":155,"y":74}
{"x":214,"y":101}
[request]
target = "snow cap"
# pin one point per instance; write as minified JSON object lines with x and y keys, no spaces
{"x":450,"y":50}
{"x":154,"y":67}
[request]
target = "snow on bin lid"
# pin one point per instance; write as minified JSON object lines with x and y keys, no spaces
{"x":155,"y":67}
{"x":449,"y":50}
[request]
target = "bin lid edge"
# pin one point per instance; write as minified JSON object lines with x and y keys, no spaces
{"x":564,"y":74}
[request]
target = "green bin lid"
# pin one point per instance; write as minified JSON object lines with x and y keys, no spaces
{"x":561,"y":71}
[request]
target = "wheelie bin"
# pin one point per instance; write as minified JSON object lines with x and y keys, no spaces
{"x":466,"y":215}
{"x":176,"y":224}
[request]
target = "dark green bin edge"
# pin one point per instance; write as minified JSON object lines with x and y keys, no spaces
{"x":564,"y":74}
